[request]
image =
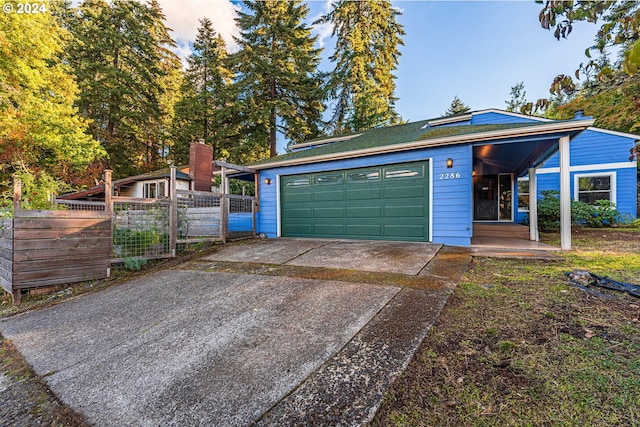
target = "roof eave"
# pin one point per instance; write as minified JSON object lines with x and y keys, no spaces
{"x":570,"y":126}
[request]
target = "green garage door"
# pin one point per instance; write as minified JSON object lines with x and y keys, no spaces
{"x":384,"y":203}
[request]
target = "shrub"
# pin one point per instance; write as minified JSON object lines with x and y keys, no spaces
{"x":134,"y":264}
{"x":602,"y":214}
{"x":549,"y":210}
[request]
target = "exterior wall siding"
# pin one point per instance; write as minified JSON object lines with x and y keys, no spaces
{"x":596,"y":149}
{"x":626,"y":194}
{"x":450,"y":200}
{"x":493,"y":118}
{"x":592,"y":147}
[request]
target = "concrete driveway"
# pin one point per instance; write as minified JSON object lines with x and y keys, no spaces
{"x":190,"y":347}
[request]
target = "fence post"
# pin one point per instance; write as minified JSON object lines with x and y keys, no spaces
{"x":17,"y":193}
{"x":108,"y":192}
{"x":224,"y":217}
{"x":173,"y":213}
{"x":253,"y":218}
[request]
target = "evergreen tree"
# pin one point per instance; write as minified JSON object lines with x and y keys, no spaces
{"x":456,"y":107}
{"x":121,"y":58}
{"x":278,"y":88}
{"x":366,"y":55}
{"x":40,"y":130}
{"x":204,"y":108}
{"x":518,"y":98}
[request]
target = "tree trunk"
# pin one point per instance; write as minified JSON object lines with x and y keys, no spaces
{"x":272,"y":122}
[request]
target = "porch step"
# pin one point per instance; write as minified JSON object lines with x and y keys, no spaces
{"x":517,"y":231}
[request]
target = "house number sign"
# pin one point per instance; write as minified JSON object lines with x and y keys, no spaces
{"x":450,"y":175}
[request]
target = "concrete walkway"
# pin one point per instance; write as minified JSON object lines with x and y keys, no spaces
{"x":193,"y":347}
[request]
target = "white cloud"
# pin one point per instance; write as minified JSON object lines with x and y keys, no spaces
{"x":183,"y":16}
{"x":323,"y":30}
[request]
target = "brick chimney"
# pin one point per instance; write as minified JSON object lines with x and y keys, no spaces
{"x":200,"y":165}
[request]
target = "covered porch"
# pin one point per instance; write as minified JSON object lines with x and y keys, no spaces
{"x":497,"y":165}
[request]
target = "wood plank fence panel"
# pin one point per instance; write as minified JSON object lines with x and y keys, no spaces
{"x":6,"y":254}
{"x":56,"y":247}
{"x":199,"y":222}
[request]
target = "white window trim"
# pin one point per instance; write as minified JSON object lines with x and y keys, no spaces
{"x":612,"y":180}
{"x":521,"y":179}
{"x":158,"y":183}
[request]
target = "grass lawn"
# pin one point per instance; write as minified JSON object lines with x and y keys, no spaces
{"x":517,"y":345}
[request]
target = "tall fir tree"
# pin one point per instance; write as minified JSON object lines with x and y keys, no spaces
{"x":40,"y":130}
{"x":456,"y":107}
{"x":204,"y":108}
{"x":121,"y":58}
{"x":278,"y":88}
{"x":368,"y":37}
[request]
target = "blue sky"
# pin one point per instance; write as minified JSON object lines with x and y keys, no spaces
{"x":476,"y":50}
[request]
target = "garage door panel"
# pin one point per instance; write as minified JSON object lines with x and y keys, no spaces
{"x":328,"y":229}
{"x":364,"y":212}
{"x":299,"y":213}
{"x":404,"y":191}
{"x":385,"y":202}
{"x":360,"y":230}
{"x":405,"y":230}
{"x":297,"y":197}
{"x":328,"y":212}
{"x":302,"y":230}
{"x":328,"y":196}
{"x":410,"y":211}
{"x":363,"y":193}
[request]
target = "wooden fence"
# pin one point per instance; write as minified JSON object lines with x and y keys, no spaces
{"x":44,"y":248}
{"x":80,"y":241}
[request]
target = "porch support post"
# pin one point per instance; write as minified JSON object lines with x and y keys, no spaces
{"x":565,"y":195}
{"x":533,"y":205}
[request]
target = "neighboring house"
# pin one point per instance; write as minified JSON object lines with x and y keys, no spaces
{"x":155,"y":185}
{"x":435,"y":180}
{"x":151,"y":185}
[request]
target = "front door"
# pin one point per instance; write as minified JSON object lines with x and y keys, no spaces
{"x":493,"y":197}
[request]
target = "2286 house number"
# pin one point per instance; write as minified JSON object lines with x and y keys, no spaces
{"x":450,"y":175}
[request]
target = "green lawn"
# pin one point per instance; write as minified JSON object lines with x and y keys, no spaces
{"x":517,"y":345}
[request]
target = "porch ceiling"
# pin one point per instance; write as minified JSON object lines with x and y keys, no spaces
{"x":512,"y":156}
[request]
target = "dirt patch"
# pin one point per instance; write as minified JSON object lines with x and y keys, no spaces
{"x":350,"y":276}
{"x":25,"y":399}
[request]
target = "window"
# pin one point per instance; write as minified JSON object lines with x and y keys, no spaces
{"x":523,"y":194}
{"x":297,"y":182}
{"x":363,"y":176}
{"x":405,"y":172}
{"x":149,"y":190}
{"x":589,"y":188}
{"x":333,"y":178}
{"x":154,"y":190}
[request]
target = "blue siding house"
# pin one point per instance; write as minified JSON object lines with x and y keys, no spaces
{"x":436,"y":180}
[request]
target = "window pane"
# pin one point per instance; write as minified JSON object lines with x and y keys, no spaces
{"x":297,"y":182}
{"x":523,"y":202}
{"x":364,"y":176}
{"x":592,"y":183}
{"x":404,"y":172}
{"x":523,"y":187}
{"x":334,"y":178}
{"x":592,"y":196}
